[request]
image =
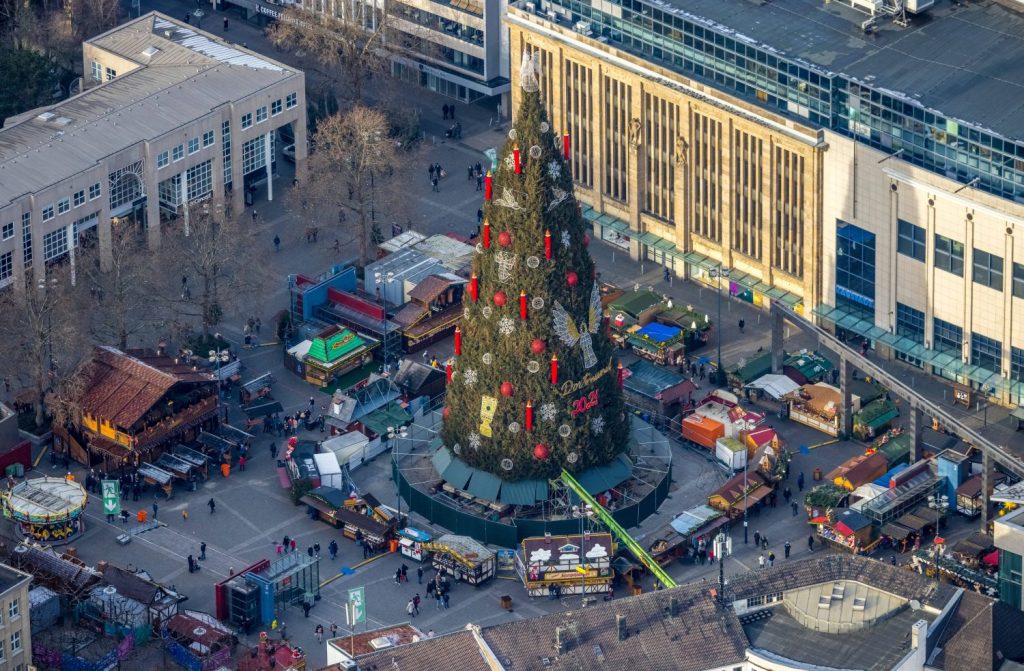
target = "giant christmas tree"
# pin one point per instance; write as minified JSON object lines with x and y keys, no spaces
{"x":535,"y":385}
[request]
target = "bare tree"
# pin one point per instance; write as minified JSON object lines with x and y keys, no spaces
{"x":353,"y":46}
{"x":350,"y":174}
{"x":123,"y":295}
{"x":216,"y":254}
{"x":42,"y":332}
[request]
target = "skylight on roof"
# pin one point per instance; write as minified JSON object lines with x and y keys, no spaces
{"x":149,"y":52}
{"x":46,"y":116}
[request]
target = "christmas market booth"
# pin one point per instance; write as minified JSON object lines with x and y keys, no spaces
{"x":462,"y":557}
{"x":896,"y":446}
{"x":732,"y":499}
{"x":818,"y":406}
{"x":574,"y":564}
{"x":411,"y":542}
{"x":806,"y":367}
{"x":47,"y":510}
{"x":136,"y":405}
{"x":333,"y":352}
{"x":661,"y":343}
{"x":696,"y":327}
{"x":633,"y":308}
{"x":848,"y":530}
{"x":858,"y":470}
{"x":656,"y":390}
{"x":674,"y":540}
{"x":874,"y":418}
{"x":821,"y":501}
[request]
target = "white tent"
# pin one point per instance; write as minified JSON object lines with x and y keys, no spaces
{"x":330,"y":471}
{"x":776,"y":386}
{"x":865,"y":493}
{"x":351,"y":449}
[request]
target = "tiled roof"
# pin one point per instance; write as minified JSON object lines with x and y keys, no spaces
{"x":121,"y":388}
{"x":429,"y":288}
{"x":410,"y":314}
{"x":981,"y":634}
{"x":130,"y":585}
{"x":701,"y":636}
{"x":453,"y":652}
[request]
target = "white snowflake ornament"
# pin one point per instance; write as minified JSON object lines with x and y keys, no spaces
{"x":506,"y":326}
{"x":474,"y":440}
{"x":554,"y":169}
{"x":548,"y":412}
{"x":469,"y":377}
{"x":566,"y":239}
{"x":597,"y":425}
{"x":510,"y":162}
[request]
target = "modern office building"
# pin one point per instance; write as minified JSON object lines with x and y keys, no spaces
{"x":1009,"y":538}
{"x":458,"y":48}
{"x":15,"y":623}
{"x":170,"y":115}
{"x":790,"y":143}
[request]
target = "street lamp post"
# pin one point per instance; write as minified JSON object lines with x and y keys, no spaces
{"x":746,"y":460}
{"x":717,"y":274}
{"x":400,"y":432}
{"x":723,"y":548}
{"x":385,"y":279}
{"x":218,"y":356}
{"x":940,"y":502}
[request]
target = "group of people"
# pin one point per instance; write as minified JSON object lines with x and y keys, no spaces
{"x":436,"y":172}
{"x":476,"y":172}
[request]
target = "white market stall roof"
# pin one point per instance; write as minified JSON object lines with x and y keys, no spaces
{"x":345,"y":444}
{"x":865,"y":493}
{"x":689,"y":521}
{"x":401,"y":241}
{"x":776,"y":386}
{"x":301,"y":350}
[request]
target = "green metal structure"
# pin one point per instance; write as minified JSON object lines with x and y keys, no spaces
{"x":616,"y":529}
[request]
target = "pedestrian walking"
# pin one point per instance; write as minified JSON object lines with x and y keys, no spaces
{"x":444,"y":600}
{"x":254,"y":215}
{"x":479,"y":182}
{"x":757,"y":538}
{"x":430,"y":171}
{"x":410,"y":608}
{"x":332,"y":549}
{"x":800,"y":481}
{"x":334,"y":630}
{"x":225,"y":24}
{"x":444,"y":111}
{"x":273,"y":450}
{"x":398,"y":576}
{"x":764,"y":542}
{"x":786,"y":549}
{"x":760,"y":561}
{"x":312,"y":403}
{"x":810,"y":543}
{"x":469,"y":173}
{"x":309,"y":551}
{"x":787,"y":493}
{"x":319,"y":631}
{"x":191,"y":564}
{"x":742,"y":324}
{"x":124,"y":516}
{"x":316,"y":550}
{"x":771,"y":559}
{"x":416,"y":602}
{"x":795,"y":507}
{"x":156,"y":509}
{"x":292,"y":545}
{"x":277,"y":243}
{"x":305,"y":608}
{"x":241,"y":463}
{"x":202,"y":551}
{"x":433,"y":184}
{"x":405,"y":571}
{"x":184,"y":514}
{"x":419,"y":575}
{"x":437,"y":599}
{"x":213,"y":506}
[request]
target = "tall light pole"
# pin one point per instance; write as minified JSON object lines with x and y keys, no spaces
{"x":384,"y":280}
{"x":217,"y":356}
{"x":723,"y":548}
{"x":940,"y":502}
{"x":717,"y":274}
{"x":746,"y":461}
{"x":393,"y":433}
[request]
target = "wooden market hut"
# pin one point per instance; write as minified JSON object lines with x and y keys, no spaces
{"x":656,"y":389}
{"x":461,"y":556}
{"x":135,"y":405}
{"x":333,"y":352}
{"x":850,"y":531}
{"x":635,"y":307}
{"x":433,"y":310}
{"x":806,"y":367}
{"x":730,"y":499}
{"x":874,"y":418}
{"x":859,"y":470}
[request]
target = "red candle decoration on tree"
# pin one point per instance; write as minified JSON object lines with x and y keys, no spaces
{"x":487,"y":234}
{"x":522,"y":305}
{"x":541,"y":452}
{"x":488,"y":186}
{"x":447,"y":411}
{"x":529,"y":415}
{"x":504,"y":238}
{"x":620,"y":375}
{"x":506,"y":388}
{"x":500,"y":298}
{"x":474,"y":287}
{"x":515,"y":154}
{"x":554,"y":369}
{"x":571,"y":278}
{"x":458,"y":341}
{"x":547,"y":245}
{"x":537,"y":346}
{"x":448,"y":371}
{"x":565,"y":146}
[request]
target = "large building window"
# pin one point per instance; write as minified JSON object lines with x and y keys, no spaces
{"x":55,"y":244}
{"x":97,"y":72}
{"x":660,"y":134}
{"x":79,"y":198}
{"x":6,"y":268}
{"x":910,"y":325}
{"x":988,"y":269}
{"x":1018,"y":280}
{"x":788,"y":213}
{"x":26,"y":239}
{"x":617,"y":132}
{"x":855,"y":270}
{"x":246,"y":120}
{"x":225,"y":134}
{"x":261,"y":114}
{"x":949,"y":255}
{"x":8,"y":232}
{"x":48,"y":213}
{"x":208,"y":138}
{"x":911,"y":240}
{"x":126,"y":186}
{"x":111,"y":73}
{"x":948,"y":337}
{"x":747,"y":212}
{"x":1017,"y":364}
{"x":291,"y":100}
{"x":193,"y":145}
{"x":275,"y":107}
{"x":200,"y":180}
{"x":579,"y":115}
{"x":253,"y":155}
{"x":707,"y":177}
{"x":986,"y":352}
{"x":162,"y":159}
{"x":1010,"y":579}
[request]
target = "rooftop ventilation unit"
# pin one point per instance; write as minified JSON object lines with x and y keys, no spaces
{"x":46,"y":116}
{"x":149,"y":52}
{"x":583,"y":27}
{"x":62,"y":121}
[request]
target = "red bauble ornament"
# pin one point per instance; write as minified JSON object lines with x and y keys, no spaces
{"x":537,"y":346}
{"x":447,"y":411}
{"x":504,"y":239}
{"x":586,"y":240}
{"x":571,"y":278}
{"x":506,"y":388}
{"x":541,"y":452}
{"x":500,"y":298}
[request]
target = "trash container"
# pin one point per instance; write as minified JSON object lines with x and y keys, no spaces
{"x":506,"y":602}
{"x":393,"y":545}
{"x":141,"y":517}
{"x":817,"y":474}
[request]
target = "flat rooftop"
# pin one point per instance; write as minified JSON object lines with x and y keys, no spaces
{"x":953,"y":59}
{"x":186,"y":75}
{"x":10,"y":577}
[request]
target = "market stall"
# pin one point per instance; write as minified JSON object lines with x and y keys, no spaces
{"x":732,"y":453}
{"x":696,"y":331}
{"x":675,"y":539}
{"x":818,"y":406}
{"x":857,"y":471}
{"x":157,"y":477}
{"x":355,"y":526}
{"x":732,"y":498}
{"x":850,"y":531}
{"x":805,"y":367}
{"x":411,"y":541}
{"x":655,"y":389}
{"x":330,"y":354}
{"x":822,"y":500}
{"x":896,"y":446}
{"x":659,"y":343}
{"x":46,"y":510}
{"x":462,"y":557}
{"x":874,"y":418}
{"x":969,"y":499}
{"x":571,"y":564}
